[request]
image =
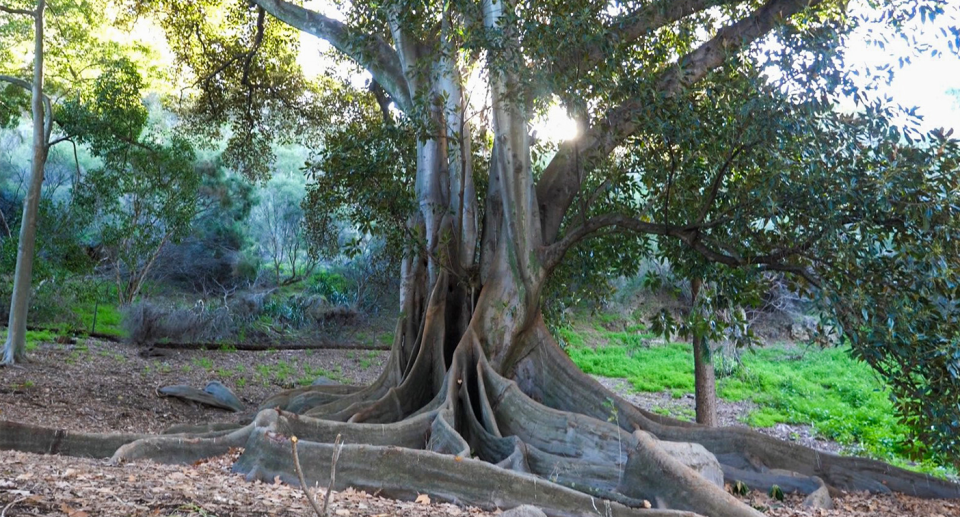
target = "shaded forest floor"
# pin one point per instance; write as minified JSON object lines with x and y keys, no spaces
{"x":98,"y":386}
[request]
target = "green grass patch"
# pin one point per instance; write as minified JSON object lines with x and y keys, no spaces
{"x":109,"y":318}
{"x":659,"y":368}
{"x":839,"y":397}
{"x":35,"y":337}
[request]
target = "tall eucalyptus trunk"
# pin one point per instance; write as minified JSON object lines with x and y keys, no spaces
{"x":477,"y":403}
{"x":14,"y":350}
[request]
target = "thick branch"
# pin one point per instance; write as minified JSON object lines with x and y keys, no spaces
{"x":11,"y":10}
{"x":560,"y":182}
{"x":689,"y":235}
{"x":644,"y":20}
{"x":369,"y":51}
{"x":383,"y":101}
{"x":48,"y":117}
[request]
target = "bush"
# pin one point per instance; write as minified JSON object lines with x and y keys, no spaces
{"x":244,"y":317}
{"x":147,"y":324}
{"x":332,"y":286}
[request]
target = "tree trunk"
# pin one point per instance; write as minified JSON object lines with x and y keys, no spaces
{"x":705,"y":378}
{"x":14,"y":350}
{"x":706,"y":383}
{"x":477,"y":404}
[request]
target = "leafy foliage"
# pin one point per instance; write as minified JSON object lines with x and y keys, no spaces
{"x":145,"y":193}
{"x":364,"y":173}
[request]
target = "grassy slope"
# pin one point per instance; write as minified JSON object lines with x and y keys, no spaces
{"x":840,"y":398}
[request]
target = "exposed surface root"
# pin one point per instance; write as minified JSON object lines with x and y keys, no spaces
{"x":529,"y":429}
{"x":746,"y":455}
{"x":176,"y":448}
{"x":41,"y":440}
{"x":405,"y":473}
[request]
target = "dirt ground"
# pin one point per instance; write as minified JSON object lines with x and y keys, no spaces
{"x":94,"y":385}
{"x":97,"y":386}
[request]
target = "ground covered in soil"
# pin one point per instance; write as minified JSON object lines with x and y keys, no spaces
{"x":98,"y":386}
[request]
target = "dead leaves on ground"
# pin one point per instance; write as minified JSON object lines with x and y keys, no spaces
{"x":79,"y":487}
{"x":76,"y":487}
{"x":858,"y":504}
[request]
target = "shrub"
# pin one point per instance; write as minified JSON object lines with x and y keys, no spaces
{"x":146,"y":324}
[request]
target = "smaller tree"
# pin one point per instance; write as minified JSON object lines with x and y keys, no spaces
{"x":15,"y":346}
{"x":278,"y":223}
{"x":145,"y":194}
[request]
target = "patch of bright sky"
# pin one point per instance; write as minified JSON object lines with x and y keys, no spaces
{"x":930,"y":83}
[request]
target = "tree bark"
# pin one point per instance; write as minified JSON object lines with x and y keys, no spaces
{"x":705,"y":378}
{"x":14,"y":349}
{"x":477,"y":403}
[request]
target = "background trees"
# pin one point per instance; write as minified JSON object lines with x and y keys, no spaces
{"x":145,"y":193}
{"x":278,"y":219}
{"x":711,"y":140}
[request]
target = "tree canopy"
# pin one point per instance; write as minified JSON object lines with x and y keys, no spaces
{"x":712,"y":136}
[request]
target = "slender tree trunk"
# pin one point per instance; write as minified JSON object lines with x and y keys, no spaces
{"x":705,"y":378}
{"x":14,"y":350}
{"x":477,"y":403}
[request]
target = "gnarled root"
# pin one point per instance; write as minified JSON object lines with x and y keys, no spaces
{"x":531,"y":429}
{"x":756,"y":459}
{"x":42,"y":440}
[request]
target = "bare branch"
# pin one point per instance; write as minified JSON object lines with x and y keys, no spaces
{"x":257,"y":41}
{"x":303,"y":482}
{"x":371,"y":52}
{"x":718,"y":180}
{"x":6,"y":227}
{"x":560,"y":182}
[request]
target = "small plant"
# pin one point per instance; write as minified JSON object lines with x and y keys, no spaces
{"x":284,"y":370}
{"x":776,"y":492}
{"x":203,"y":362}
{"x":241,"y":382}
{"x":740,"y":488}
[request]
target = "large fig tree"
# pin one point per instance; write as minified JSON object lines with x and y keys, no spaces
{"x":708,"y":135}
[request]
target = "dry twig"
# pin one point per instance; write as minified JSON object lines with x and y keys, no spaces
{"x":338,"y":446}
{"x":15,"y":501}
